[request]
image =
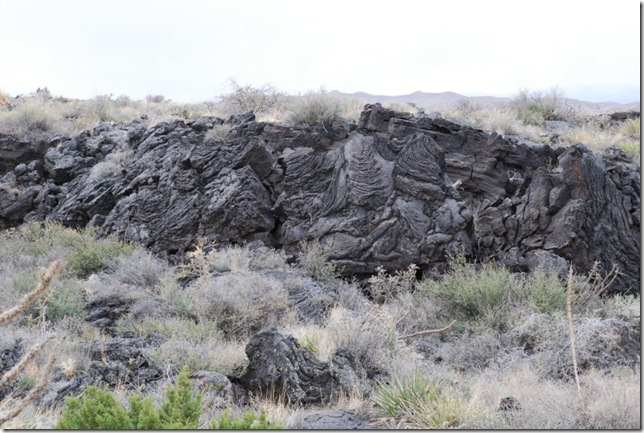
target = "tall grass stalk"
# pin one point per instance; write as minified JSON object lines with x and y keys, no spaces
{"x":573,"y":351}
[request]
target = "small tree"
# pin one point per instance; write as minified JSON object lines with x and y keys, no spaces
{"x":98,"y":409}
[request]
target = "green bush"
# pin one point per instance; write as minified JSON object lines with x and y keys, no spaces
{"x":249,"y":420}
{"x":481,"y":295}
{"x":543,"y":292}
{"x":94,"y":409}
{"x":97,"y":409}
{"x":93,"y":255}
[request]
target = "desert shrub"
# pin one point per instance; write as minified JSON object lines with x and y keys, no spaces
{"x":141,"y":269}
{"x":199,"y":346}
{"x":218,"y":133}
{"x":533,"y":108}
{"x":34,"y":386}
{"x":480,"y":295}
{"x":91,"y":255}
{"x":27,"y":118}
{"x":316,"y":107}
{"x":41,"y":238}
{"x":26,"y":381}
{"x":112,"y":165}
{"x":421,"y":403}
{"x":408,"y":107}
{"x":4,"y":98}
{"x":269,"y":259}
{"x":242,"y":303}
{"x":503,"y":120}
{"x":386,"y":287}
{"x":64,"y":300}
{"x":245,"y":98}
{"x":314,"y":260}
{"x":225,"y":357}
{"x":607,"y":401}
{"x":632,"y":149}
{"x":248,"y":420}
{"x":542,"y":291}
{"x":369,"y":332}
{"x":155,"y":99}
{"x":631,"y":128}
{"x":99,"y":409}
{"x":465,"y":108}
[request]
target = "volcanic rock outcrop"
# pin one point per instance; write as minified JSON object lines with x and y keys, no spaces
{"x":394,"y":189}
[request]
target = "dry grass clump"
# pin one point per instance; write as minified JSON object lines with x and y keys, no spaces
{"x":607,"y":400}
{"x":322,"y":108}
{"x":41,"y":114}
{"x":241,"y":302}
{"x":528,"y":114}
{"x":200,"y":346}
{"x":140,"y":269}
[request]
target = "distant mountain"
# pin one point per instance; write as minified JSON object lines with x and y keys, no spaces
{"x":438,"y":101}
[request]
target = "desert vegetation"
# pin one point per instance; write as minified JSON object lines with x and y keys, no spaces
{"x":540,"y":116}
{"x":41,"y":114}
{"x":441,"y":357}
{"x":548,"y":117}
{"x":102,"y":333}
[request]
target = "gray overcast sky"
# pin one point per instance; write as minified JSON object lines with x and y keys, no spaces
{"x":188,"y":49}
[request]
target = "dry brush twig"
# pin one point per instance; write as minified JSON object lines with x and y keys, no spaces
{"x":428,"y":331}
{"x":45,"y":278}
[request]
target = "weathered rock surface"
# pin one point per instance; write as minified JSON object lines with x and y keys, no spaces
{"x":393,"y":190}
{"x":280,"y":367}
{"x":333,"y":420}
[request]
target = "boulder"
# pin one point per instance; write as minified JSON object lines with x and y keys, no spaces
{"x":392,"y":190}
{"x":281,"y":368}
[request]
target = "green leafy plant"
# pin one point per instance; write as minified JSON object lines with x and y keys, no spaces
{"x":181,"y":408}
{"x":248,"y":420}
{"x":97,"y":408}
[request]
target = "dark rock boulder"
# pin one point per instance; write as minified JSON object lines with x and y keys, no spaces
{"x":14,"y":151}
{"x":121,"y":361}
{"x":394,"y":189}
{"x":280,"y":367}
